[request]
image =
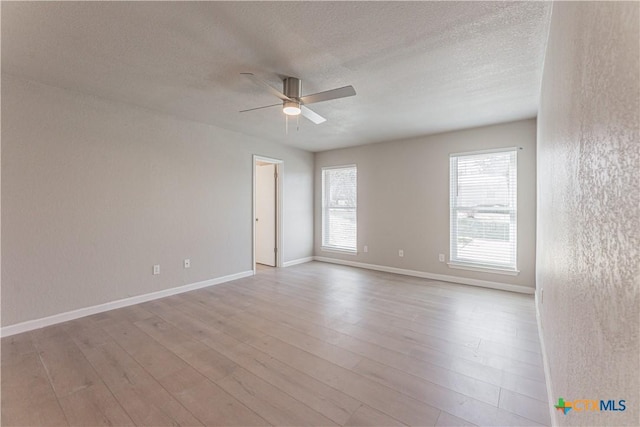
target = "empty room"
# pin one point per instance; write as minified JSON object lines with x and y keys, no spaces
{"x":320,"y":213}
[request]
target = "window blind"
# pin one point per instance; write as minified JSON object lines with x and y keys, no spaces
{"x":483,"y":209}
{"x":339,"y":208}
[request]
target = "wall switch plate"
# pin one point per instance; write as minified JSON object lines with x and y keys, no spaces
{"x":187,"y":263}
{"x":365,"y":249}
{"x":401,"y":253}
{"x":156,"y":269}
{"x":441,"y":257}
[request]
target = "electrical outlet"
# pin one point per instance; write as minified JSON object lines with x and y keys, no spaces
{"x":365,"y":249}
{"x":187,"y":263}
{"x":441,"y":257}
{"x":401,"y":253}
{"x":156,"y":269}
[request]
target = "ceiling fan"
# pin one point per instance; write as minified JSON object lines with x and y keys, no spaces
{"x":293,"y":103}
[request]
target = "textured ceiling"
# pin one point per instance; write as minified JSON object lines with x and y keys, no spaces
{"x":418,"y":67}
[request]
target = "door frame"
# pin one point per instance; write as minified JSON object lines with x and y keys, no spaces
{"x":279,"y":166}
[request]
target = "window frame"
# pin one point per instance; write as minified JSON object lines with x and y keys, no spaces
{"x":324,"y":212}
{"x":455,"y":261}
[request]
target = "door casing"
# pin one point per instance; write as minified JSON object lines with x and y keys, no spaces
{"x":279,"y":165}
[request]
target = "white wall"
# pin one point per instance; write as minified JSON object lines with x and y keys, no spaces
{"x":589,"y":207}
{"x":403,"y":199}
{"x":95,"y":192}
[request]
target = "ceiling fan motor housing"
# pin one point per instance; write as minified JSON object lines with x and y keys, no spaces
{"x":292,"y":87}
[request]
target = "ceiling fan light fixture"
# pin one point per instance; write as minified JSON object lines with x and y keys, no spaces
{"x":291,"y":108}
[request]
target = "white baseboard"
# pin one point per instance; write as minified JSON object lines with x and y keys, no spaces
{"x":30,"y":325}
{"x":432,"y":276}
{"x":545,"y":364}
{"x":297,"y":261}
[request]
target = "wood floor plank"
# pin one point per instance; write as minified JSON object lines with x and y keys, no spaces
{"x":156,"y":359}
{"x":367,"y":416}
{"x":447,"y":420}
{"x":518,"y":377}
{"x":443,"y":329}
{"x":94,"y":406}
{"x":205,"y":360}
{"x":275,"y":406}
{"x":436,"y":326}
{"x":58,"y":330}
{"x":217,"y":321}
{"x":494,"y":358}
{"x":393,"y":302}
{"x":86,"y":333}
{"x":323,"y":349}
{"x":299,"y":306}
{"x":131,"y":314}
{"x":27,"y":395}
{"x":385,"y":349}
{"x":324,"y":399}
{"x":453,"y":329}
{"x":44,"y":413}
{"x":117,"y":368}
{"x":468,"y":350}
{"x":330,"y":402}
{"x":457,"y":404}
{"x":208,"y":402}
{"x":407,"y":410}
{"x":66,"y":366}
{"x":198,"y":328}
{"x":417,"y":386}
{"x":314,"y":344}
{"x":148,"y":407}
{"x":496,"y":348}
{"x":452,"y":358}
{"x":525,"y":406}
{"x":144,"y":399}
{"x":14,"y":347}
{"x":464,"y":384}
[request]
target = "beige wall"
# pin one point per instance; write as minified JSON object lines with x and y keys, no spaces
{"x":588,"y":208}
{"x":95,"y":192}
{"x":403,"y":199}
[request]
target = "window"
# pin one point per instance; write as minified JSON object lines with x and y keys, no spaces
{"x":483,"y":202}
{"x":339,"y":203}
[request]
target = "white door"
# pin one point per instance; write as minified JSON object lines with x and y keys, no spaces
{"x":266,"y":214}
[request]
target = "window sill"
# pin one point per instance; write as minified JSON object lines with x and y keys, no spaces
{"x":483,"y":269}
{"x":339,"y":251}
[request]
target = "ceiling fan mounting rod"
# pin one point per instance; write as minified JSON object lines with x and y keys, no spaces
{"x":292,"y":87}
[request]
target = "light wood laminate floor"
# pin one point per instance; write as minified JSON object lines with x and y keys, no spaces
{"x":313,"y":344}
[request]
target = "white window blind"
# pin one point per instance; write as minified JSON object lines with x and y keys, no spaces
{"x":339,"y":208}
{"x":483,"y":209}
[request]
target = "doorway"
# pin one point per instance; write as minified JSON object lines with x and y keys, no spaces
{"x":267,"y":218}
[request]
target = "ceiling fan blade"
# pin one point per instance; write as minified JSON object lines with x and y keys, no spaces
{"x":279,"y":104}
{"x":271,"y":89}
{"x":312,"y":115}
{"x":327,"y":95}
